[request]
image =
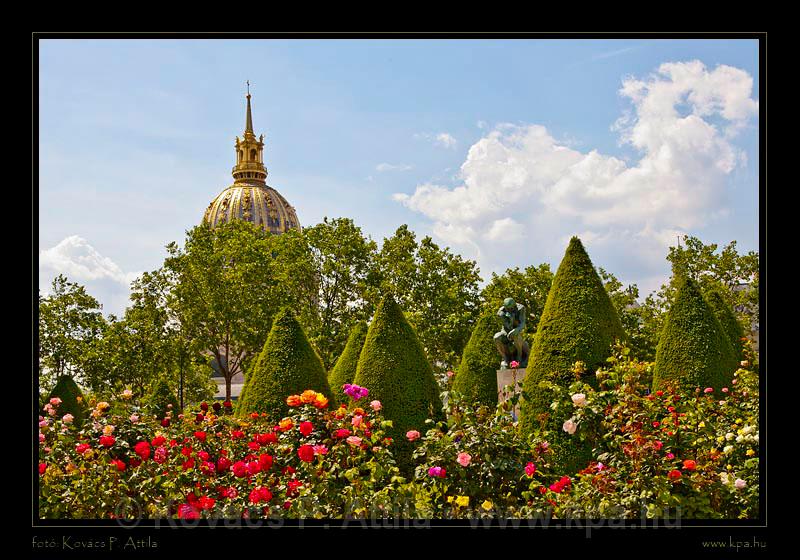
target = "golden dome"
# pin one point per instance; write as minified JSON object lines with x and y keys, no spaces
{"x":250,"y":198}
{"x":259,"y":204}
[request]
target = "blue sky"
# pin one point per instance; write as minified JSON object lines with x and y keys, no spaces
{"x":500,"y":149}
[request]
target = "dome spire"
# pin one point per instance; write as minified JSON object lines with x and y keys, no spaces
{"x":249,"y":125}
{"x":249,"y":166}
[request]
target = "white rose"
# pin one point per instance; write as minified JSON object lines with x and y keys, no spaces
{"x":723,"y":477}
{"x":579,"y":399}
{"x":729,"y":436}
{"x":739,"y":439}
{"x":739,"y":484}
{"x":727,"y":449}
{"x":570,"y":426}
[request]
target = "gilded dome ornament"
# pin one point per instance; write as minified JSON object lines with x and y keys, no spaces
{"x":249,"y":198}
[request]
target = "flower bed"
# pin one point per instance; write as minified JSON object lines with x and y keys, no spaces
{"x":659,"y":455}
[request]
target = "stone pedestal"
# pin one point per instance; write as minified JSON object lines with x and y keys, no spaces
{"x":509,"y":382}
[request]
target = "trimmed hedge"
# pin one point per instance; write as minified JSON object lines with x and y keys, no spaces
{"x":394,"y":368}
{"x":287,"y":365}
{"x":694,"y":350}
{"x":476,"y":377}
{"x":72,"y":401}
{"x":730,"y":324}
{"x":160,"y":396}
{"x":344,"y":371}
{"x":579,"y":323}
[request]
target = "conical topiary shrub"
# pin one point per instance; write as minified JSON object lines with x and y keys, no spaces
{"x":693,"y":350}
{"x":476,"y":377}
{"x":344,"y":371}
{"x":72,"y":401}
{"x":730,"y":324}
{"x":287,"y":365}
{"x":578,"y":323}
{"x":159,"y":398}
{"x":394,"y":368}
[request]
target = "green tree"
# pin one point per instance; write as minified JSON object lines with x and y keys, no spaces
{"x":626,"y":302}
{"x":727,"y":319}
{"x":162,"y":397}
{"x":342,"y":261}
{"x":476,"y":377}
{"x":345,"y":369}
{"x":72,"y":400}
{"x":69,"y":320}
{"x":287,"y":365}
{"x":735,"y":274}
{"x":528,"y":287}
{"x":393,"y":366}
{"x":437,"y":289}
{"x":694,"y":350}
{"x":579,"y":323}
{"x":225,"y":291}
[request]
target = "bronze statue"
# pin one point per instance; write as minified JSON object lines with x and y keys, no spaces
{"x":509,"y":341}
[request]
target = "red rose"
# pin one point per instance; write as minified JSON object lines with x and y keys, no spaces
{"x":203,"y":455}
{"x":223,"y":464}
{"x":293,"y":485}
{"x":689,"y":465}
{"x":227,"y":404}
{"x":240,"y":469}
{"x":674,"y":475}
{"x":42,"y":468}
{"x":288,"y":469}
{"x":107,"y":441}
{"x":306,"y":453}
{"x":254,"y":446}
{"x":265,"y":461}
{"x":253,"y":467}
{"x":261,"y":494}
{"x":188,"y":511}
{"x":206,"y":502}
{"x":158,"y":441}
{"x":81,"y":448}
{"x":237,"y":434}
{"x":188,"y":464}
{"x":186,"y":451}
{"x":119,"y":464}
{"x":342,"y":433}
{"x":200,"y":435}
{"x":142,"y":449}
{"x":204,"y":406}
{"x":165,"y":422}
{"x":207,"y":467}
{"x":306,"y":428}
{"x":199,"y":418}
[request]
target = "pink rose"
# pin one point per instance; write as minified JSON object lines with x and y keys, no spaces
{"x":412,"y":435}
{"x":375,"y":405}
{"x":355,"y":441}
{"x":463,"y":459}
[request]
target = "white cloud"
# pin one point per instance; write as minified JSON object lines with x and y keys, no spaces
{"x":518,"y":180}
{"x":80,"y":262}
{"x":381,"y":167}
{"x":443,"y":139}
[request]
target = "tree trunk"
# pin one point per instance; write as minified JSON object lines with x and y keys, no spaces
{"x":228,"y":386}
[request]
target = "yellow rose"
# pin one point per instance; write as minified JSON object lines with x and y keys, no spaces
{"x":486,"y":505}
{"x":308,"y":396}
{"x":750,"y":453}
{"x":701,"y":425}
{"x":462,"y":501}
{"x":450,"y":499}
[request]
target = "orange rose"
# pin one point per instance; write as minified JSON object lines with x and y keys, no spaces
{"x":321,"y":401}
{"x":308,"y":396}
{"x":286,"y":424}
{"x":294,"y":400}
